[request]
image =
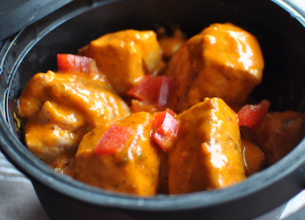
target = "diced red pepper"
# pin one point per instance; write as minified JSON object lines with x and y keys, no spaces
{"x":174,"y":114}
{"x":113,"y":140}
{"x":156,"y":91}
{"x":165,"y":129}
{"x":73,"y":63}
{"x":144,"y":90}
{"x":253,"y":115}
{"x":162,"y":91}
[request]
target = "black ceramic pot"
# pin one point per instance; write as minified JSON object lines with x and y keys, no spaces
{"x":279,"y":28}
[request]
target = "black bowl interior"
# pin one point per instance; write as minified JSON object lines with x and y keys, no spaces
{"x":282,"y":39}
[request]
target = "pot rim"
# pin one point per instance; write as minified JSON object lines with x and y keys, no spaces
{"x":36,"y":170}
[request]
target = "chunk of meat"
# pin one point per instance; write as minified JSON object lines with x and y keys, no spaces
{"x":60,"y":114}
{"x":279,"y":133}
{"x":207,"y":151}
{"x":96,"y":101}
{"x":47,"y":141}
{"x":55,"y":129}
{"x":64,"y":164}
{"x":60,"y":108}
{"x":171,"y":44}
{"x":134,"y":169}
{"x":33,"y":95}
{"x":254,"y":158}
{"x":222,"y":61}
{"x":126,"y":56}
{"x":137,"y":106}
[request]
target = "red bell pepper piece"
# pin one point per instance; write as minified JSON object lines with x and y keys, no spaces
{"x":113,"y":140}
{"x":165,"y":129}
{"x":144,"y":90}
{"x":156,"y":91}
{"x":162,"y":91}
{"x":73,"y":63}
{"x":253,"y":115}
{"x":174,"y":114}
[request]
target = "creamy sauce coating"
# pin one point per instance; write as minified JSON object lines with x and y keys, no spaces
{"x":66,"y":114}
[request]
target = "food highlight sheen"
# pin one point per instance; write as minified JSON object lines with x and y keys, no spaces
{"x":142,"y":112}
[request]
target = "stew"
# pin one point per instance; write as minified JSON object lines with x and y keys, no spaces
{"x":143,"y":112}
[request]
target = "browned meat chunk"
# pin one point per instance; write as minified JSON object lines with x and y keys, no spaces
{"x":222,"y":61}
{"x":134,"y":169}
{"x":60,"y":108}
{"x":278,"y":135}
{"x":207,"y":152}
{"x":254,"y":158}
{"x":125,"y":56}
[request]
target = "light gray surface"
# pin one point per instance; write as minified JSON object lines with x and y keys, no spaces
{"x":295,"y":204}
{"x":18,"y":200}
{"x":299,"y":3}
